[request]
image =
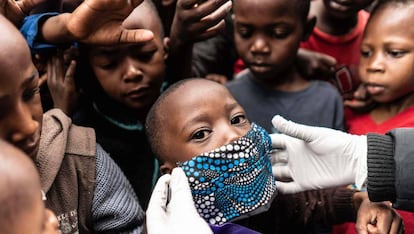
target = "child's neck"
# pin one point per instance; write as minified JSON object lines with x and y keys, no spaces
{"x":332,"y":25}
{"x":385,"y":111}
{"x":289,"y":81}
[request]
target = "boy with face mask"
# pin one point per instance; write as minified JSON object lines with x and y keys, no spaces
{"x":225,"y":158}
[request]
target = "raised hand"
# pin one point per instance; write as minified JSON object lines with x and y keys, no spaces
{"x":100,"y":22}
{"x":61,"y":83}
{"x":196,"y":20}
{"x":15,"y":11}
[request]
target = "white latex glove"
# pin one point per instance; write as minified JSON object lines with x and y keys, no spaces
{"x":316,"y":157}
{"x":178,"y":215}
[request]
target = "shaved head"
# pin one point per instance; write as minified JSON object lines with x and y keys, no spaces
{"x":19,"y":186}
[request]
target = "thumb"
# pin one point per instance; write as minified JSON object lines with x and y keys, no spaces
{"x":288,"y":187}
{"x":158,"y":201}
{"x":292,"y":129}
{"x":135,"y":36}
{"x":181,"y":197}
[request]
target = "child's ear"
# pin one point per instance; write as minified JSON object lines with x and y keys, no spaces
{"x":310,"y":24}
{"x":166,"y":168}
{"x":166,"y":44}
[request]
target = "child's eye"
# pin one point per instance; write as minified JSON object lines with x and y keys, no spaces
{"x":238,"y":119}
{"x":244,"y":32}
{"x":109,"y":65}
{"x":200,"y":134}
{"x":279,"y":33}
{"x":396,"y":53}
{"x":366,"y":53}
{"x":29,"y":94}
{"x":145,"y":56}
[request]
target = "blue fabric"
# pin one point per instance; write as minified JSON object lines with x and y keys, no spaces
{"x":31,"y":32}
{"x":231,"y":228}
{"x":234,"y":180}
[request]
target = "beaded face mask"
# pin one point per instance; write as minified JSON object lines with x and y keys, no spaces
{"x":233,"y":181}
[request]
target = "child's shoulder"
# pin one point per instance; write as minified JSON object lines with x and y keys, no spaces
{"x":324,"y":88}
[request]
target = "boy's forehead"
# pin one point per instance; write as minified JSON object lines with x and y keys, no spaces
{"x":192,"y":94}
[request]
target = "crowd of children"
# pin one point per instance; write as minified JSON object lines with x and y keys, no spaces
{"x":96,"y":93}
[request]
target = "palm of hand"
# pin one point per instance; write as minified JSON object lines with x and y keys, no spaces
{"x":99,"y":21}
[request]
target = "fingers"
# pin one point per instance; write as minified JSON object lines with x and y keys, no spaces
{"x":135,"y":36}
{"x":292,"y":129}
{"x":278,"y":141}
{"x":181,"y":197}
{"x":158,"y":201}
{"x":288,"y":187}
{"x":70,"y":74}
{"x":281,"y":171}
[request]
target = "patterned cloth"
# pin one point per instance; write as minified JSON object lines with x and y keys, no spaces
{"x":234,"y":180}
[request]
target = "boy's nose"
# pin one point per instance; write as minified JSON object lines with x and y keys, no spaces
{"x":133,"y":73}
{"x":260,"y":46}
{"x":376,"y":63}
{"x":22,"y":124}
{"x":232,"y":135}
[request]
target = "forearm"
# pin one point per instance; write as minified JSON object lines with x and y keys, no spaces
{"x":381,"y":168}
{"x":54,"y":30}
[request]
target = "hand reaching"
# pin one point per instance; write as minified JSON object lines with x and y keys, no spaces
{"x":175,"y":215}
{"x":15,"y":11}
{"x":195,"y":21}
{"x":61,"y":83}
{"x":100,"y":22}
{"x":316,"y":65}
{"x":316,"y":157}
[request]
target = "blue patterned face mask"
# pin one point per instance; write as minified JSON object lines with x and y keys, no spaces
{"x":234,"y":180}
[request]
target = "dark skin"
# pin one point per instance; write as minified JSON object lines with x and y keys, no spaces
{"x":267,"y":37}
{"x":202,"y":116}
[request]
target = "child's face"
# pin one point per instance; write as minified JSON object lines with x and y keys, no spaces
{"x":132,"y":74}
{"x":201,"y":116}
{"x":20,"y":107}
{"x":267,"y":34}
{"x":387,"y":54}
{"x":345,"y":9}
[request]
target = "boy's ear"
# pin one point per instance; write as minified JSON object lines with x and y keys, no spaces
{"x":166,"y":44}
{"x":310,"y":24}
{"x":166,"y":168}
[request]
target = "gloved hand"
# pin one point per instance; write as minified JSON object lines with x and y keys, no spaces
{"x":178,"y":215}
{"x":316,"y":157}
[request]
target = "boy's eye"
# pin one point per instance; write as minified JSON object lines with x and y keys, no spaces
{"x":145,"y":56}
{"x":108,"y":65}
{"x":366,"y":53}
{"x":238,"y":119}
{"x":244,"y":32}
{"x":396,"y":53}
{"x":200,"y":134}
{"x":279,"y":33}
{"x":29,"y":94}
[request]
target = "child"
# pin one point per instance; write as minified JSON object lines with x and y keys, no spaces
{"x":387,"y":71}
{"x":83,"y":186}
{"x":267,"y":37}
{"x":21,"y":207}
{"x":120,"y":84}
{"x":198,"y":116}
{"x":338,"y":32}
